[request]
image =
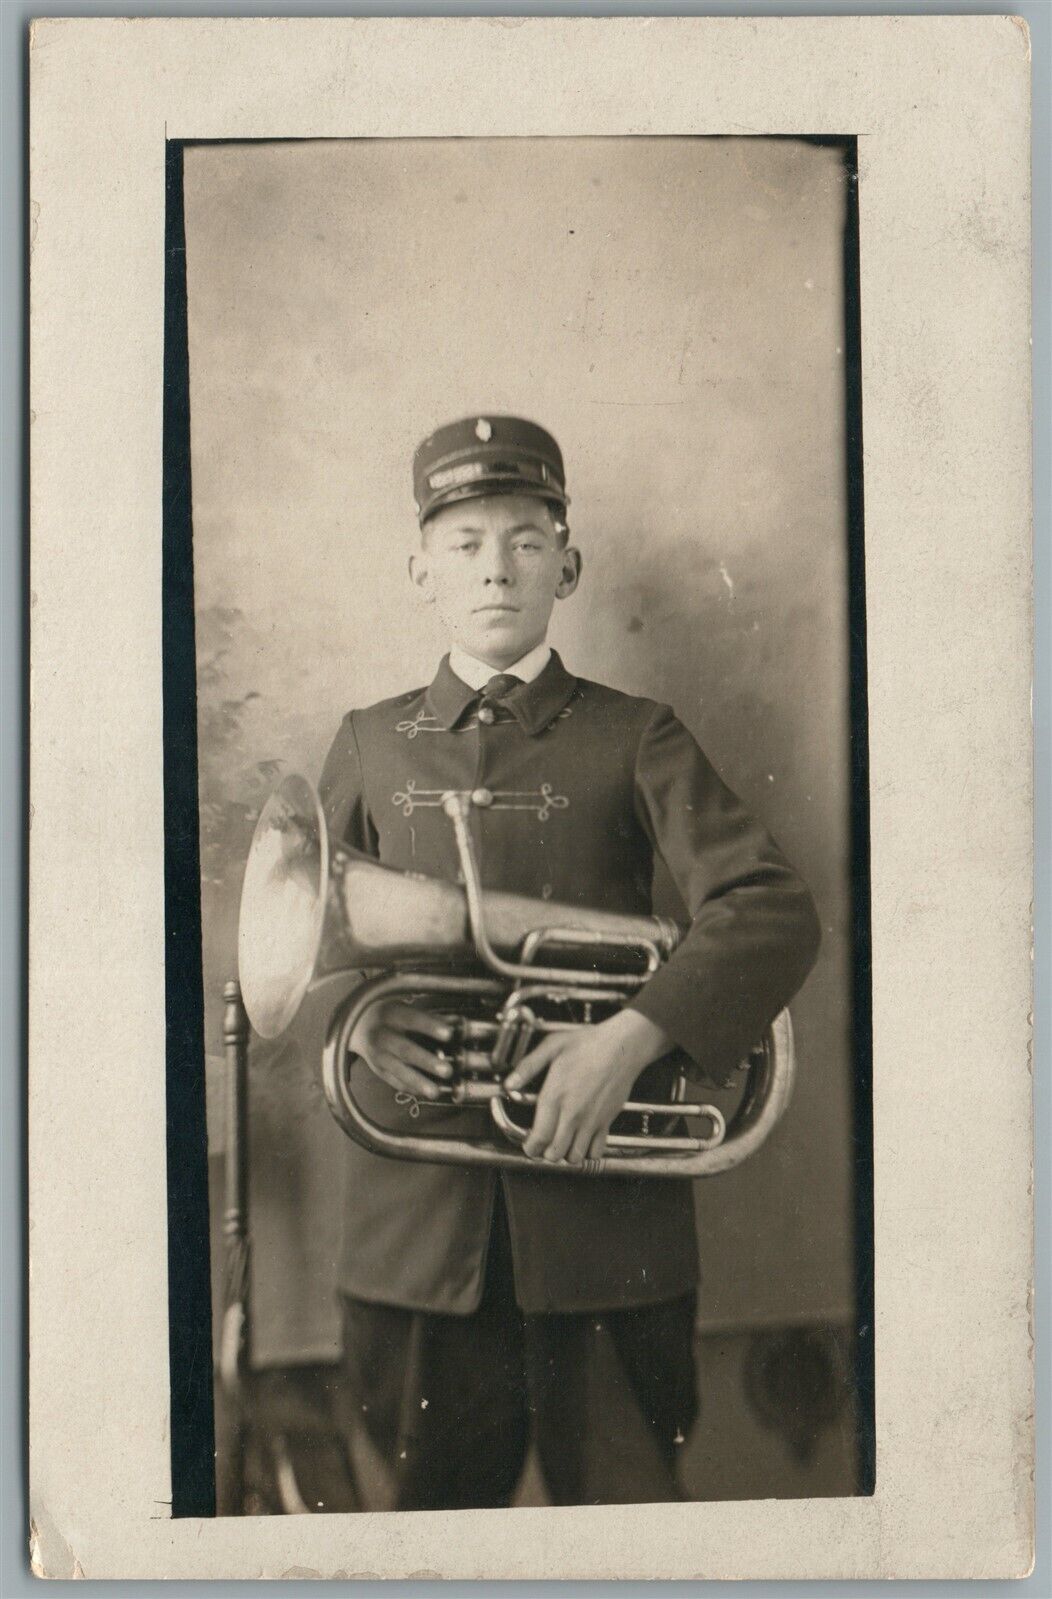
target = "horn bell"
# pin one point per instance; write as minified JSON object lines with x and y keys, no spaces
{"x":283,"y":903}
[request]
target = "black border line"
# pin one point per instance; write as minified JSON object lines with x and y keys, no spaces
{"x":862,"y":957}
{"x":189,"y":1286}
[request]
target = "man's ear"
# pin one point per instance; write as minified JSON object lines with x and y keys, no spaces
{"x":570,"y":575}
{"x":420,"y":575}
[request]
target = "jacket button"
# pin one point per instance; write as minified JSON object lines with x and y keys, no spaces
{"x":482,"y":796}
{"x":487,"y":715}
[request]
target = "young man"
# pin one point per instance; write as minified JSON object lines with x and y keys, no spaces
{"x":481,"y":1308}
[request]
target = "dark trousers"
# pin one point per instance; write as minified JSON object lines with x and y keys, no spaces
{"x":451,"y":1402}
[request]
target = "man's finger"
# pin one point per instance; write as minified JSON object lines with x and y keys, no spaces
{"x":397,"y":1075}
{"x":411,"y":1019}
{"x":545,"y":1121}
{"x":563,"y":1136}
{"x":580,"y":1148}
{"x":411,"y":1053}
{"x":531,"y":1065}
{"x":597,"y":1148}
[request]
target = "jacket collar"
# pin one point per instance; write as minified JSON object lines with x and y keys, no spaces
{"x":533,"y":704}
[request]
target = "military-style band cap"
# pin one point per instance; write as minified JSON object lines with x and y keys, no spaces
{"x":487,"y":455}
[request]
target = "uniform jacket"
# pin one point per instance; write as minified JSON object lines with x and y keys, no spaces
{"x":578,"y":792}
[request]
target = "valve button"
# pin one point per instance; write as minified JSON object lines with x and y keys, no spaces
{"x":482,"y":797}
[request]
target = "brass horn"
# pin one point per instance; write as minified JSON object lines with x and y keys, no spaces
{"x":502,"y":969}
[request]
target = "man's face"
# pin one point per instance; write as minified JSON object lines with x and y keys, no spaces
{"x":494,"y":567}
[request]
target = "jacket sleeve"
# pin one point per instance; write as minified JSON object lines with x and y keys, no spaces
{"x":341,"y":788}
{"x":754,"y":930}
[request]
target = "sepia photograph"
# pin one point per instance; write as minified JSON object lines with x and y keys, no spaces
{"x":523,"y":517}
{"x":530,"y":853}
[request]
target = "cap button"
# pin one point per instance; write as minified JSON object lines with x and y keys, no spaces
{"x":487,"y":715}
{"x":482,"y":797}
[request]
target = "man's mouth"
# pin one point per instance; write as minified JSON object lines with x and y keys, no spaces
{"x":481,"y":609}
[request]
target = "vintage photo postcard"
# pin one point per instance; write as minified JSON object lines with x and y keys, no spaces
{"x":530,"y":867}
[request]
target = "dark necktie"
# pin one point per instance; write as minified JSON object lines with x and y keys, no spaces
{"x":499,"y":686}
{"x":494,"y":692}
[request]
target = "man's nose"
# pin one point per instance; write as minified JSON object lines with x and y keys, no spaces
{"x":498,"y":567}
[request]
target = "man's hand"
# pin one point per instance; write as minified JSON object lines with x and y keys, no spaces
{"x":590,"y":1075}
{"x":382,"y":1039}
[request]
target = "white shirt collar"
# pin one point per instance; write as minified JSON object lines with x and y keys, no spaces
{"x":476,"y":674}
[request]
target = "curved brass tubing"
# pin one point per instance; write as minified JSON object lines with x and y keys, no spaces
{"x":771,"y":1070}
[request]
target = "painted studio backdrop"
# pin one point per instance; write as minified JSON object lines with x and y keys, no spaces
{"x":673,"y":311}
